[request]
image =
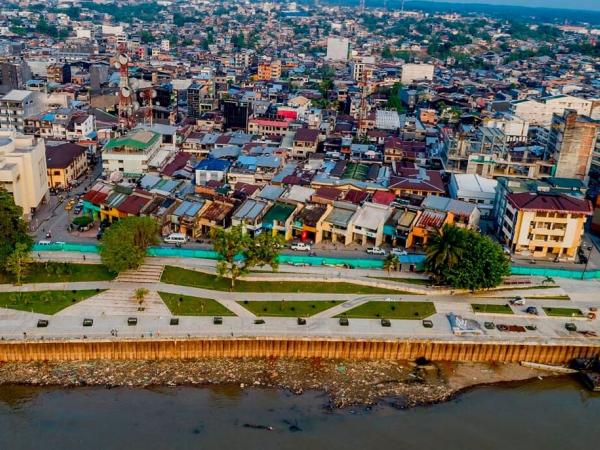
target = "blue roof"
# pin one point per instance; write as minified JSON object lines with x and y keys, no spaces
{"x":213,"y":164}
{"x":48,"y":117}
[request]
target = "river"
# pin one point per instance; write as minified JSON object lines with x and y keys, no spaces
{"x":551,"y":414}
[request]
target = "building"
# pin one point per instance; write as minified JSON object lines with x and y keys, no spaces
{"x":540,"y":225}
{"x":65,"y":163}
{"x":540,"y":112}
{"x":130,"y":155}
{"x":337,"y":49}
{"x":474,"y":189}
{"x":23,"y":170}
{"x":13,"y":75}
{"x":416,"y":72}
{"x":573,"y":142}
{"x":59,"y":73}
{"x":269,"y":70}
{"x":236,"y":113}
{"x":200,"y":98}
{"x":17,"y":105}
{"x":305,"y":142}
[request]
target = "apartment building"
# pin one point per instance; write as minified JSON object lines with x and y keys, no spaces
{"x":305,"y":142}
{"x":23,"y":170}
{"x":18,"y":105}
{"x":131,"y":154}
{"x":269,"y":70}
{"x":544,"y":224}
{"x":65,"y":163}
{"x":474,"y":189}
{"x":540,"y":112}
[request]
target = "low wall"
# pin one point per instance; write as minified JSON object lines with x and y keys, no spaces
{"x":293,"y":348}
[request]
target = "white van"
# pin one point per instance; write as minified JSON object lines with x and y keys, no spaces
{"x":176,"y":238}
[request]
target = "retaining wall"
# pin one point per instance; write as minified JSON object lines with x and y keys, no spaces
{"x":295,"y":348}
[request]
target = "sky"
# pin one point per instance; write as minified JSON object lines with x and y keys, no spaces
{"x":578,"y":4}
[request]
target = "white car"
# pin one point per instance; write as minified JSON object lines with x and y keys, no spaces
{"x":375,"y":251}
{"x":398,"y":252}
{"x":301,"y":247}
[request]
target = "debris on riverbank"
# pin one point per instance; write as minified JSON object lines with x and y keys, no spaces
{"x":345,"y":382}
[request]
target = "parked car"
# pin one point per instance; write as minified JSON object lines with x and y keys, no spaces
{"x":517,"y":301}
{"x":77,"y":210}
{"x":532,"y":310}
{"x":398,"y":252}
{"x":386,"y":323}
{"x":570,"y":326}
{"x":489,"y":325}
{"x":300,"y":247}
{"x":375,"y":251}
{"x":427,"y":323}
{"x":176,"y":238}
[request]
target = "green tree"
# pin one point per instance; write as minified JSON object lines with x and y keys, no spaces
{"x":445,"y":247}
{"x":238,"y":252}
{"x":13,"y":229}
{"x":465,"y":259}
{"x":124,"y":244}
{"x":140,"y":295}
{"x":18,"y":262}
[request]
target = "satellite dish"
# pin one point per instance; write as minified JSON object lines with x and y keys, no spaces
{"x":136,"y":106}
{"x":123,"y":59}
{"x":117,"y":65}
{"x":134,"y":83}
{"x":125,"y":91}
{"x":153,"y":93}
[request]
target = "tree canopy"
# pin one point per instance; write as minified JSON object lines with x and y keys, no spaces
{"x":239,"y":252}
{"x":465,"y":259}
{"x":13,"y":229}
{"x":124,"y":244}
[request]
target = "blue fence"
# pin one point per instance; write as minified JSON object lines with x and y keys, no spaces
{"x":305,"y":260}
{"x":295,"y":260}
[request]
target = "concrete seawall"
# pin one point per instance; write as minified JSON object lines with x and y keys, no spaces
{"x":293,"y":348}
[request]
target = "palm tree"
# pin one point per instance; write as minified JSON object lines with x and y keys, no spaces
{"x":444,"y":248}
{"x":139,"y":295}
{"x":390,"y":262}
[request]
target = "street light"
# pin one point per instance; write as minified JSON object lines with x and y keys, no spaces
{"x":589,"y":249}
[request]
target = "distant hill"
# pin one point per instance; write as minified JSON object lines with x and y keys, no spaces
{"x":508,"y":11}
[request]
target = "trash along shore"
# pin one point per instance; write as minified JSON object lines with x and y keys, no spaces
{"x":402,"y":384}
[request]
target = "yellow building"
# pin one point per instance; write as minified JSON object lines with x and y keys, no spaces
{"x":65,"y":163}
{"x":543,"y":224}
{"x":269,"y":70}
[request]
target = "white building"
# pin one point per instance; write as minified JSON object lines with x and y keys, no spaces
{"x":337,"y":49}
{"x":417,"y":72}
{"x":131,"y":155}
{"x":540,"y":112}
{"x":515,"y":128}
{"x":474,"y":189}
{"x":23,"y":170}
{"x":17,"y":105}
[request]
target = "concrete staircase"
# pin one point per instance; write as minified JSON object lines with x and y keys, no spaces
{"x":146,"y":273}
{"x":115,"y":302}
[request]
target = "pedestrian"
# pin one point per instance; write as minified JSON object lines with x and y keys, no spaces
{"x":84,"y":257}
{"x":39,"y":256}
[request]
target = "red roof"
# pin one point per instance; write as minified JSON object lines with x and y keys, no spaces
{"x":133,"y":204}
{"x":306,"y":135}
{"x":328,"y":193}
{"x":356,"y":197}
{"x":178,"y":163}
{"x":418,"y":180}
{"x":531,"y":201}
{"x":383,"y":198}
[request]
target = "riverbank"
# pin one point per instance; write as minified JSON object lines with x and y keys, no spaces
{"x":346,"y":382}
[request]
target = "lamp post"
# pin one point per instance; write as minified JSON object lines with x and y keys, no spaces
{"x":589,"y":249}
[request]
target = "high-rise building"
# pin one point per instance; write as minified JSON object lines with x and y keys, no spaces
{"x":572,"y":143}
{"x":23,"y":169}
{"x":13,"y":75}
{"x":236,"y":113}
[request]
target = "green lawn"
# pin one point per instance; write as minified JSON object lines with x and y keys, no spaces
{"x":54,"y":272}
{"x":494,"y":309}
{"x":418,"y":281}
{"x":44,"y":302}
{"x":549,"y":297}
{"x":186,"y":305}
{"x":563,"y":312}
{"x":391,"y":310}
{"x":185,"y":277}
{"x":289,"y":308}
